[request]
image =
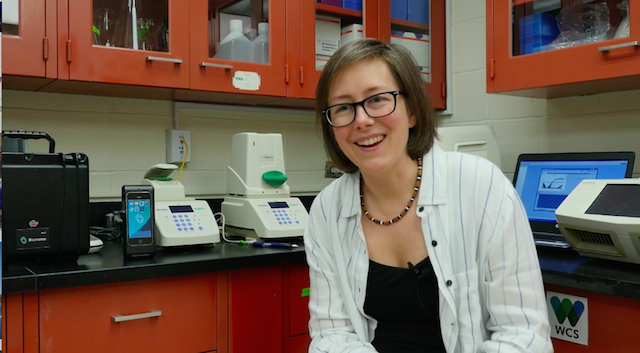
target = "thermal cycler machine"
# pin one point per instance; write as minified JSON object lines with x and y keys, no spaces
{"x":258,"y":203}
{"x":601,"y":218}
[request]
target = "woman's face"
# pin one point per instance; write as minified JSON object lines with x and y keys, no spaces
{"x":373,"y":145}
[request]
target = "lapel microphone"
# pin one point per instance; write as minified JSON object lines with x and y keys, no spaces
{"x":417,"y":272}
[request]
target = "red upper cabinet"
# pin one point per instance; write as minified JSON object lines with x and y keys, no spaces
{"x":238,"y":46}
{"x":324,"y":27}
{"x":544,"y":48}
{"x":29,"y":28}
{"x":419,"y":26}
{"x":135,"y":42}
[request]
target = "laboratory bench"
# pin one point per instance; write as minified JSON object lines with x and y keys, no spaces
{"x":228,"y":293}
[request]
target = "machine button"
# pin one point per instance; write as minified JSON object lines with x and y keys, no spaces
{"x":289,"y":222}
{"x":280,"y":222}
{"x":200,"y":228}
{"x":189,"y":223}
{"x":184,"y":224}
{"x":175,"y":220}
{"x":174,"y":216}
{"x":179,"y":229}
{"x":179,"y":216}
{"x":191,"y":228}
{"x":297,"y":222}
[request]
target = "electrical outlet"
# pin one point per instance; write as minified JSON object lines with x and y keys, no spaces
{"x":175,"y":148}
{"x":331,"y":171}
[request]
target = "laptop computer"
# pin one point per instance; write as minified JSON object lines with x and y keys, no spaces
{"x":544,"y":180}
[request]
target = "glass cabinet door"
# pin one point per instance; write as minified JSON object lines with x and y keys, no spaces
{"x":327,"y":25}
{"x":546,"y":25}
{"x":238,"y":46}
{"x":26,"y":48}
{"x":418,"y":26}
{"x":139,"y":42}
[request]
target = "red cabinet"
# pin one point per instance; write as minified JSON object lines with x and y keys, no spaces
{"x":255,"y":309}
{"x":295,"y":328}
{"x":209,"y":23}
{"x":551,"y":49}
{"x":122,"y":55}
{"x":373,"y":20}
{"x":423,"y":33}
{"x":166,"y":315}
{"x":29,"y":38}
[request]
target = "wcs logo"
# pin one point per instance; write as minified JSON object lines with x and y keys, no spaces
{"x":566,"y":310}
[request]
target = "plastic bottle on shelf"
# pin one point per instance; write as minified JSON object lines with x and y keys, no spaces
{"x":236,"y":46}
{"x":261,"y":44}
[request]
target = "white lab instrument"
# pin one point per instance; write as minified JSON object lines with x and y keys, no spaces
{"x":601,"y":218}
{"x":258,"y":202}
{"x":478,"y":139}
{"x":179,"y":220}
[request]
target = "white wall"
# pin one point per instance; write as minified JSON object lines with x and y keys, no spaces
{"x":124,"y":137}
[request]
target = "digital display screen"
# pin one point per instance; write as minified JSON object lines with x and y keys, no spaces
{"x":617,"y":200}
{"x":278,"y":205}
{"x":543,"y":185}
{"x":180,"y":209}
{"x":139,"y":218}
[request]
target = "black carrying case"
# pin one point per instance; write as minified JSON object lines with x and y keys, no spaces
{"x":45,"y":203}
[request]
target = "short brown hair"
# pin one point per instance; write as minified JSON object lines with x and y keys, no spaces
{"x":404,"y":69}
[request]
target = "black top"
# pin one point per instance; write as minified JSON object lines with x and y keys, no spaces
{"x":405,"y":303}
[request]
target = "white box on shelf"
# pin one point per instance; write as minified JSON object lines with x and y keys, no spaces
{"x":321,"y":61}
{"x":418,"y":44}
{"x":327,"y":34}
{"x":351,"y":33}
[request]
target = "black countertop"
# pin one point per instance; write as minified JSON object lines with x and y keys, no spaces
{"x":109,"y":266}
{"x":564,"y":268}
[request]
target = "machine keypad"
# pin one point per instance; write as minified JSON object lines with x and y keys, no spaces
{"x":285,"y":217}
{"x":187,"y":223}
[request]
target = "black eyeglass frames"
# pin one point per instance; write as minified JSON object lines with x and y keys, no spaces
{"x":377,"y":106}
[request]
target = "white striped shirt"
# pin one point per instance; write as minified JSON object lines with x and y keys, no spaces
{"x":480,"y":245}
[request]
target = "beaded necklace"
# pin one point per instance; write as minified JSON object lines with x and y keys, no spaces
{"x":406,"y":209}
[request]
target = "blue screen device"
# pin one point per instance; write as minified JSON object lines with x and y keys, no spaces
{"x":139,"y":207}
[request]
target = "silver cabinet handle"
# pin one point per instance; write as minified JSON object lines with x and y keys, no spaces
{"x":121,"y":318}
{"x":169,"y":60}
{"x":203,"y":64}
{"x":618,"y":46}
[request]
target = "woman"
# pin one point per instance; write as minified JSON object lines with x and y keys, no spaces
{"x":414,"y":249}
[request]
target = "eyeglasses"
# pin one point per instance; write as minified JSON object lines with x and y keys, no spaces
{"x":377,"y":106}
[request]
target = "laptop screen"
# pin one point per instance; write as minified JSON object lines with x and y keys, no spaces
{"x":543,"y":185}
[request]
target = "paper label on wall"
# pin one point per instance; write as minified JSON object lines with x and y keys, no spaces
{"x":327,"y":46}
{"x":568,"y":317}
{"x":247,"y":81}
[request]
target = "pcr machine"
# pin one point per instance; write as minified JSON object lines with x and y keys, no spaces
{"x":258,"y":203}
{"x":179,"y":220}
{"x":601,"y":218}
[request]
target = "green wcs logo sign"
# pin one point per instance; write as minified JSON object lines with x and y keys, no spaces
{"x":569,"y":317}
{"x":566,"y":310}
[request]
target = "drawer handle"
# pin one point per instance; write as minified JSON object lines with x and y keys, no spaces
{"x":618,"y":46}
{"x":228,"y":67}
{"x":169,"y":60}
{"x":121,"y":318}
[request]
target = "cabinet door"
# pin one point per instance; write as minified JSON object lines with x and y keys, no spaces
{"x":29,"y":38}
{"x":326,"y":25}
{"x":419,"y":26}
{"x":539,"y":43}
{"x":249,"y":58}
{"x":165,"y":315}
{"x":135,"y":42}
{"x":298,"y":300}
{"x":255,"y":310}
